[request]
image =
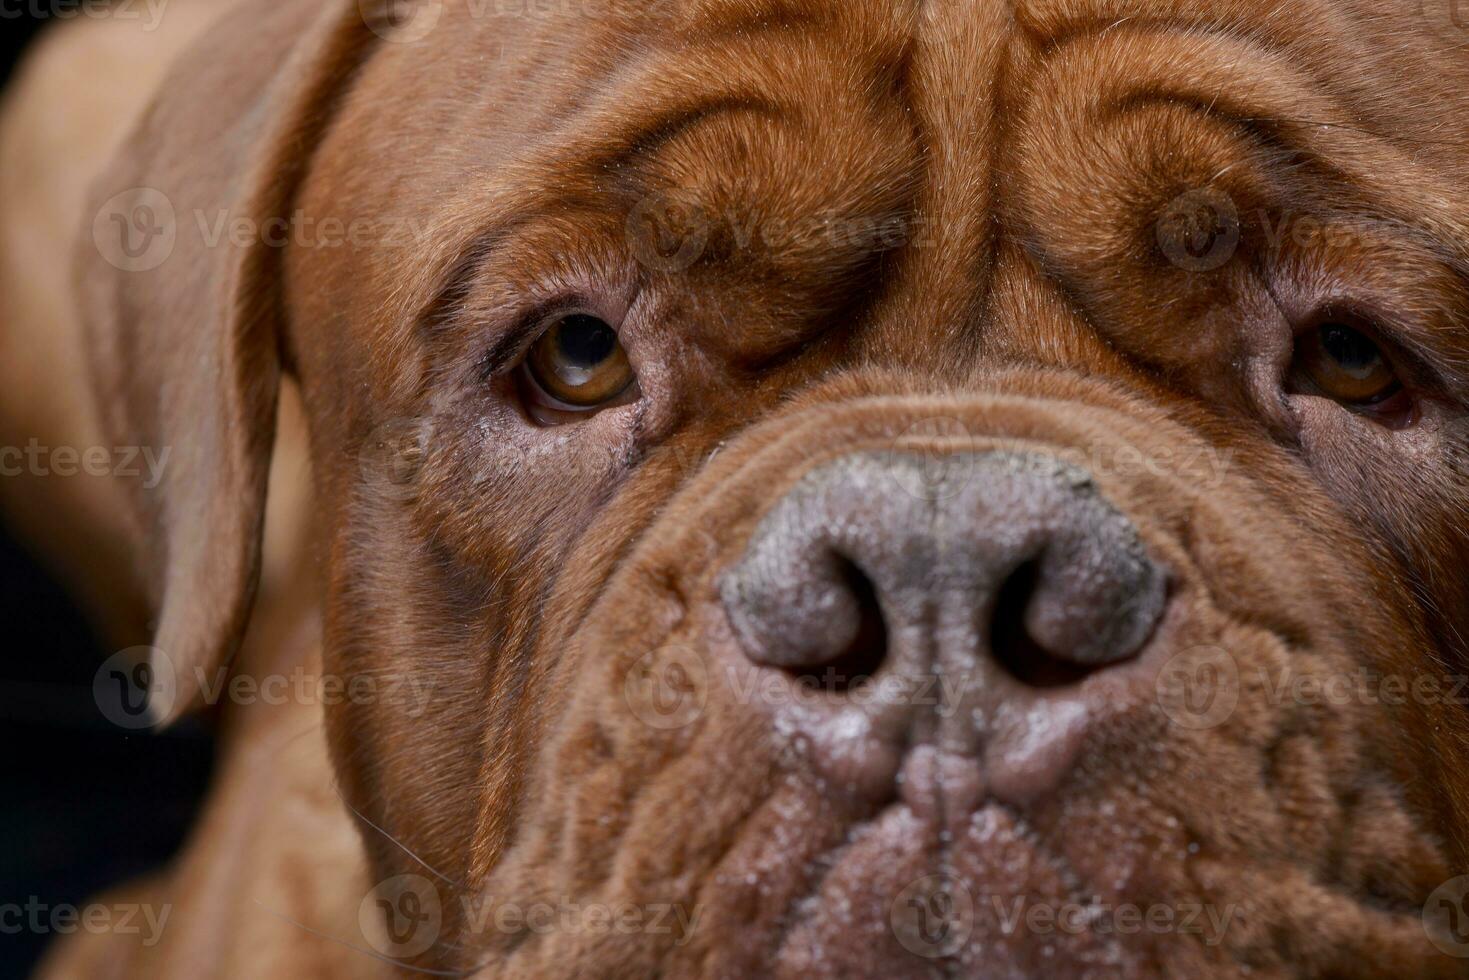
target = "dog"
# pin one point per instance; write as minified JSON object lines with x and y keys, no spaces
{"x":769,"y":487}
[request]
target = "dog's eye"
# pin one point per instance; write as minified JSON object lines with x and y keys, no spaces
{"x":579,"y":362}
{"x":1341,"y":361}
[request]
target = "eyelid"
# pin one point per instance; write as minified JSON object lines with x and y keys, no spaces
{"x":535,"y":401}
{"x":553,"y":402}
{"x":510,"y":350}
{"x":1417,"y":305}
{"x":1413,"y":366}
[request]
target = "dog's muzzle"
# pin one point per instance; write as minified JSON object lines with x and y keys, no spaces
{"x":945,"y":609}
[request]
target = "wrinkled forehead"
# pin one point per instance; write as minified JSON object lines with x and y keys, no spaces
{"x":819,"y":138}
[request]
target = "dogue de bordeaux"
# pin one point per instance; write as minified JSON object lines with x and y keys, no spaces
{"x":800,"y":488}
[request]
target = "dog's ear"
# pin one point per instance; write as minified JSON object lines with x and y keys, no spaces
{"x":181,"y":299}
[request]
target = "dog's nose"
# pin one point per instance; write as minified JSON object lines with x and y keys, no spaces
{"x":967,"y":595}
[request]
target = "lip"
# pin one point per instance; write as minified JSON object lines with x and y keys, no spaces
{"x":902,"y":897}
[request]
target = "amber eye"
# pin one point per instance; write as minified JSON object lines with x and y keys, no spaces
{"x":578,"y":361}
{"x":1343,"y":362}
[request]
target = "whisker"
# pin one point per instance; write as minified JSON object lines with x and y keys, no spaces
{"x":457,"y":885}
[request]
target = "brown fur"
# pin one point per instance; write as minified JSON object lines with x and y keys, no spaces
{"x":525,"y":574}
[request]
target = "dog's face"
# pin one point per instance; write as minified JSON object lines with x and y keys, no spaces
{"x":853,"y":477}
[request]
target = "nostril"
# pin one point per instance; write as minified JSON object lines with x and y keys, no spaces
{"x":864,"y":655}
{"x":1013,"y":646}
{"x":1030,"y":563}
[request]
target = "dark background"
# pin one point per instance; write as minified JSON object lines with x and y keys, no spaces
{"x":83,"y":803}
